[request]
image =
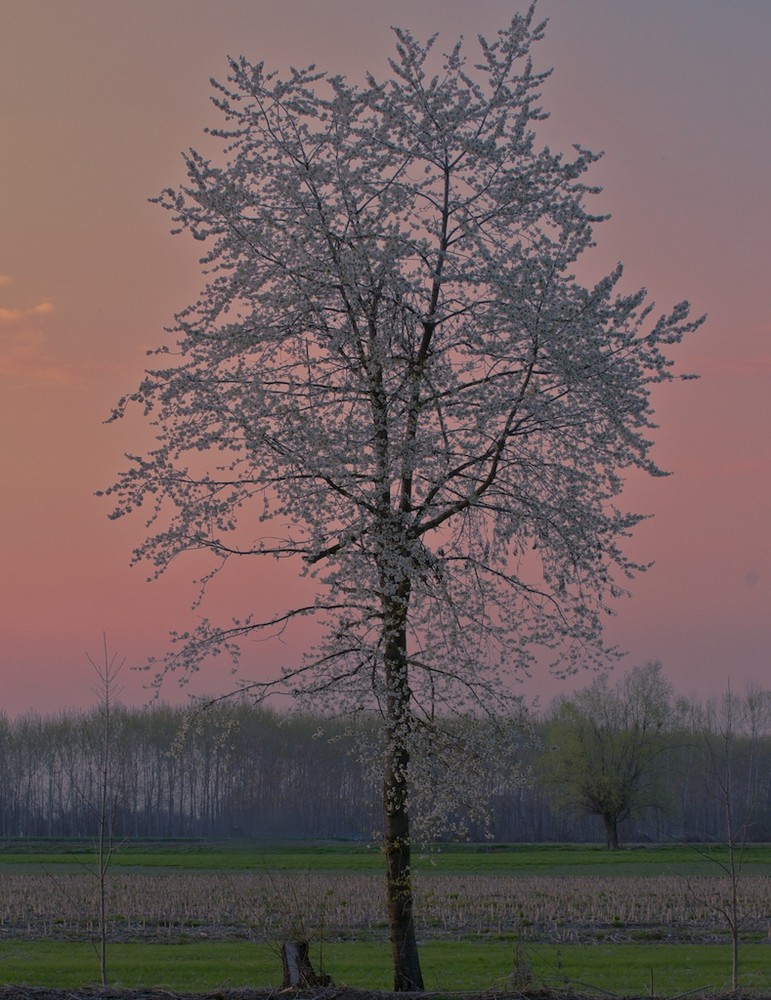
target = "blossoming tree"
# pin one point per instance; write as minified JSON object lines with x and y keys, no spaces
{"x":393,"y":377}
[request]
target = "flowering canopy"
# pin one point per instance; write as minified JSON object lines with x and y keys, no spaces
{"x":392,"y":373}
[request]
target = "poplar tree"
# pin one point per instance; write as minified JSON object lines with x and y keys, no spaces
{"x":393,"y":378}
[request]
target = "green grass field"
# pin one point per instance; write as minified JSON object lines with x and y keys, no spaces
{"x":474,"y":859}
{"x":465,"y":965}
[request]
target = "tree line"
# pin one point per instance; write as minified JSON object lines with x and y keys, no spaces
{"x":623,"y":762}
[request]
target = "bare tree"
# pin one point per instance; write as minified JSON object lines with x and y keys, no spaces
{"x":722,"y":785}
{"x":721,"y":754}
{"x":103,"y":806}
{"x":394,"y":379}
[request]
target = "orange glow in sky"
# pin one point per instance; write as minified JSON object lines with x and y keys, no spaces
{"x":100,"y":97}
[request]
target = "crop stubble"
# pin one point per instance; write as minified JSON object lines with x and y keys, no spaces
{"x":262,"y":907}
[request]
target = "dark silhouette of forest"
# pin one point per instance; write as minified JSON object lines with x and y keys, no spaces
{"x":245,"y":771}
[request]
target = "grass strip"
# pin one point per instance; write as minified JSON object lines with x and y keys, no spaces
{"x":482,"y":859}
{"x":461,"y":965}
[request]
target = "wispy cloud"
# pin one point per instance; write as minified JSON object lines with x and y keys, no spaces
{"x":25,"y":351}
{"x":8,"y":316}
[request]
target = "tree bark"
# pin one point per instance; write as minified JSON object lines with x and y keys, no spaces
{"x":404,"y":948}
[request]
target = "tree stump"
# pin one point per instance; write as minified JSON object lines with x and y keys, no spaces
{"x":298,"y":970}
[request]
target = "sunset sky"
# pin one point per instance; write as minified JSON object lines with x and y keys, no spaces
{"x":98,"y":99}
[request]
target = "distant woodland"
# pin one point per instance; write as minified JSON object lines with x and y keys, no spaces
{"x":245,"y":771}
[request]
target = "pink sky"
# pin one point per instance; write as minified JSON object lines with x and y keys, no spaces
{"x":100,"y":96}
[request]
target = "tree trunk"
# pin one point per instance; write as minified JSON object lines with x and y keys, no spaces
{"x":611,"y":831}
{"x":404,"y":948}
{"x":298,"y":971}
